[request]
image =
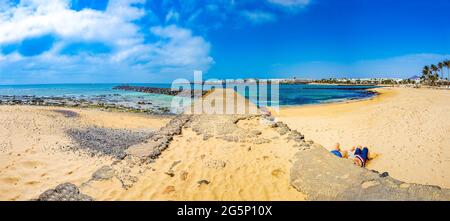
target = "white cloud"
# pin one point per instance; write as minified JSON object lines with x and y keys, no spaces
{"x":258,"y":17}
{"x":290,"y":3}
{"x":37,"y":17}
{"x":172,"y":16}
{"x":176,"y":51}
{"x":173,"y":51}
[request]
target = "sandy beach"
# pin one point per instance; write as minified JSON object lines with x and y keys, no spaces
{"x":193,"y":168}
{"x":125,"y":156}
{"x":33,"y":147}
{"x":219,"y":157}
{"x":407,"y":128}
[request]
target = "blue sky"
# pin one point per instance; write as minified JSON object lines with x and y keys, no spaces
{"x":81,"y":41}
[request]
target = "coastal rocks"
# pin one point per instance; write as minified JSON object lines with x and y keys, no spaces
{"x":206,"y":136}
{"x":100,"y":102}
{"x":280,"y":127}
{"x":127,"y":181}
{"x":223,"y":127}
{"x":161,"y":139}
{"x":64,"y":192}
{"x":67,"y":113}
{"x":296,"y":136}
{"x":256,"y":132}
{"x":284,"y":129}
{"x":111,"y":142}
{"x":385,"y":174}
{"x":166,"y":91}
{"x":322,"y":176}
{"x":104,"y":173}
{"x":127,"y":172}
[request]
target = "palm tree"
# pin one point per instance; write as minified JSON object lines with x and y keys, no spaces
{"x":425,"y":74}
{"x":434,"y":70}
{"x":447,"y":65}
{"x":441,"y":68}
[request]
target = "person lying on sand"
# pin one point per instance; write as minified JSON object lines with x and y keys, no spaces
{"x":358,"y":154}
{"x":337,"y":151}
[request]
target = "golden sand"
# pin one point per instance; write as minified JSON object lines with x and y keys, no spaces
{"x":192,"y":168}
{"x":31,"y":156}
{"x":233,"y":171}
{"x":196,"y":169}
{"x":408,"y":128}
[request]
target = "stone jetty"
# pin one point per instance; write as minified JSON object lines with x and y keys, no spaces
{"x":165,"y":91}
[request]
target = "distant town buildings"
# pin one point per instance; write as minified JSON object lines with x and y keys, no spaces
{"x":352,"y":81}
{"x":365,"y":81}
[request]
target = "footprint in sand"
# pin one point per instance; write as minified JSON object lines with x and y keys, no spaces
{"x":184,"y":176}
{"x":10,"y":180}
{"x":277,"y":173}
{"x":31,"y":183}
{"x":32,"y":164}
{"x":169,"y":189}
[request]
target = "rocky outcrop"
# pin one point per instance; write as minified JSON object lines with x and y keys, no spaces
{"x":64,"y":192}
{"x":322,"y":176}
{"x":107,"y":141}
{"x":166,"y":91}
{"x":224,"y":127}
{"x":101,"y":103}
{"x":67,"y":113}
{"x":161,"y":139}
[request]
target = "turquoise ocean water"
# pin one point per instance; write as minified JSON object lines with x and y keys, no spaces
{"x":288,"y":94}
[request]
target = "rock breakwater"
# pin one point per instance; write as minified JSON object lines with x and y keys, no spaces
{"x":165,"y":91}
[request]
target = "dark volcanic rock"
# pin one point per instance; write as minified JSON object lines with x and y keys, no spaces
{"x":281,"y":128}
{"x":152,"y":90}
{"x":161,"y":139}
{"x":100,"y":102}
{"x":385,"y":174}
{"x":64,"y":192}
{"x":295,"y":136}
{"x":166,"y":91}
{"x":67,"y":113}
{"x":112,"y":142}
{"x":104,"y":173}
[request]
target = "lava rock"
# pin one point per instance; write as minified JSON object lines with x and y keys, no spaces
{"x":64,"y":192}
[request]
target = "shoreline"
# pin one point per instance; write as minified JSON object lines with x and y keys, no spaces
{"x":142,"y":107}
{"x":403,"y":126}
{"x":378,"y":93}
{"x":192,"y":157}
